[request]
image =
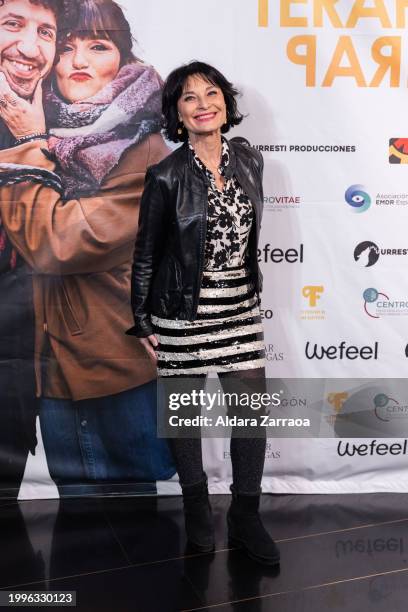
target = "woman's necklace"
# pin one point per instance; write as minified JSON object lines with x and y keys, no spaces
{"x":214,"y":168}
{"x":217,"y":177}
{"x":210,"y":164}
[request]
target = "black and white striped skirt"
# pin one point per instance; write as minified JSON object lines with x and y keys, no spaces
{"x":227,"y":333}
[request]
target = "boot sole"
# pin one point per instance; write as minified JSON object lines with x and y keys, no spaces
{"x":233,"y":542}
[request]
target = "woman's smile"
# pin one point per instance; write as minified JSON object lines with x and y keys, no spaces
{"x":205,"y":117}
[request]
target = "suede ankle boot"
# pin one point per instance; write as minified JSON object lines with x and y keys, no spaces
{"x":246,"y":530}
{"x":198,"y":517}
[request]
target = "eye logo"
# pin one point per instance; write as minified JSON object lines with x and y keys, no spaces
{"x":357,"y":198}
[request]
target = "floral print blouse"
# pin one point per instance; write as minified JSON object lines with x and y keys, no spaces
{"x":229,"y":218}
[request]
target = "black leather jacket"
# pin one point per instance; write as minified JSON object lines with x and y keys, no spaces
{"x":169,"y":251}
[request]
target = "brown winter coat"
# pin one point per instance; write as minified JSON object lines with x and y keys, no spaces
{"x":80,"y":252}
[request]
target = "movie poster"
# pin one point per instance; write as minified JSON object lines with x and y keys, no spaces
{"x":80,"y":124}
{"x":324,"y":89}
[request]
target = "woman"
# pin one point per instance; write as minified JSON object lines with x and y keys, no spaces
{"x":70,"y":201}
{"x":196,"y":284}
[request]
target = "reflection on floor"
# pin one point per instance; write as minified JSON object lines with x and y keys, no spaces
{"x":338,"y":553}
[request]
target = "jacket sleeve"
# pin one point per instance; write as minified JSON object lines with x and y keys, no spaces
{"x":259,"y":161}
{"x":147,"y":253}
{"x":90,"y":234}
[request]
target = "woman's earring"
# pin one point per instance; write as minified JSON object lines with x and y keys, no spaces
{"x":180,"y":129}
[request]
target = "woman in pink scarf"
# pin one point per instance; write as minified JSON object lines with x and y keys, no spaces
{"x":72,"y":195}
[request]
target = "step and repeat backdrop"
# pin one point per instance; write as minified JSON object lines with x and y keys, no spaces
{"x":324,"y":93}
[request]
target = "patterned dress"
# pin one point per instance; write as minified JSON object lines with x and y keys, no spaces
{"x":227,"y":333}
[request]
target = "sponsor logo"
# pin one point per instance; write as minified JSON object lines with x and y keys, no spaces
{"x":293,"y":402}
{"x":276,"y":255}
{"x":369,"y":546}
{"x":271,"y":452}
{"x":367,"y":253}
{"x":398,"y":151}
{"x":281,"y":202}
{"x":377,"y":304}
{"x":391,"y":199}
{"x":341,"y":351}
{"x":305,"y":148}
{"x":272,"y":353}
{"x":357,"y":198}
{"x":266,"y":313}
{"x":336,"y":400}
{"x":387,"y":408}
{"x":351,"y":449}
{"x":384,"y":407}
{"x":312,"y":294}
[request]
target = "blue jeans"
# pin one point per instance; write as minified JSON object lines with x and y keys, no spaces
{"x":105,"y":445}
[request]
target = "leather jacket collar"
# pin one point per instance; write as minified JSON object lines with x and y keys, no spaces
{"x":229,"y":170}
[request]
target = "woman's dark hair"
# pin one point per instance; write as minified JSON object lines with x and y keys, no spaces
{"x":100,"y":19}
{"x":173,"y":89}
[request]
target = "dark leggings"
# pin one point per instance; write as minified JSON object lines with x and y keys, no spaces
{"x":247,"y":454}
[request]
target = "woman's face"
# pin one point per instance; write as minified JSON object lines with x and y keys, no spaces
{"x":85,"y":67}
{"x":201,"y":106}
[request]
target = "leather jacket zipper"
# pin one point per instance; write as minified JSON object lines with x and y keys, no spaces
{"x":256,"y":265}
{"x":201,"y":266}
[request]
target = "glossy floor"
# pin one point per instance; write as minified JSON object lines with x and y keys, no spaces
{"x":338,"y":553}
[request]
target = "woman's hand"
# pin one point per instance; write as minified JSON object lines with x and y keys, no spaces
{"x":150,"y":342}
{"x":22,"y":117}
